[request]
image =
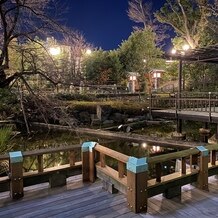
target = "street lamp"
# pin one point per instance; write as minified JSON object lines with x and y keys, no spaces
{"x":54,"y":51}
{"x":88,"y":51}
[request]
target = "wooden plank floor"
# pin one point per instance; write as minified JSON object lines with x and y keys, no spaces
{"x":90,"y":201}
{"x":187,"y":114}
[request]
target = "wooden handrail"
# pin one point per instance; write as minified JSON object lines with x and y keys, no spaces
{"x":174,"y":155}
{"x":111,"y":153}
{"x":43,"y":151}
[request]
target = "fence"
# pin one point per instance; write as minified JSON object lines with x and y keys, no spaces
{"x":131,"y":176}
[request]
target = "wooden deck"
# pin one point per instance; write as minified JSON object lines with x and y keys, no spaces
{"x":90,"y":200}
{"x":203,"y":116}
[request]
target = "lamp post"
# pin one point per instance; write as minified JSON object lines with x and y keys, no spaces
{"x":180,"y":53}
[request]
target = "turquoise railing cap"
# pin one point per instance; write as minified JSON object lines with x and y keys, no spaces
{"x":202,"y":149}
{"x":88,"y":146}
{"x":16,"y":157}
{"x":137,"y":165}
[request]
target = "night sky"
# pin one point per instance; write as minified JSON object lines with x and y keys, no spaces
{"x":104,"y":23}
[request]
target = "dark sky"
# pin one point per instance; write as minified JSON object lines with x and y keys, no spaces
{"x":104,"y":23}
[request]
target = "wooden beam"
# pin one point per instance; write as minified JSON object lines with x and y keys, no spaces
{"x":111,"y":153}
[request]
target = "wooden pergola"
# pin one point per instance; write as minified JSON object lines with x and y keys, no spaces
{"x":207,"y":54}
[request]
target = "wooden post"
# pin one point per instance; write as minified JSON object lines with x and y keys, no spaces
{"x":137,"y":173}
{"x":72,"y":158}
{"x":88,"y":162}
{"x":40,"y":163}
{"x":16,"y":174}
{"x":203,"y":172}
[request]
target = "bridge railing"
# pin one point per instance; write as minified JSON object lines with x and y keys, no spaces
{"x":131,"y":176}
{"x":204,"y":103}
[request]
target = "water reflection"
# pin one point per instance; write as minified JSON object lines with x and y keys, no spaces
{"x":54,"y":139}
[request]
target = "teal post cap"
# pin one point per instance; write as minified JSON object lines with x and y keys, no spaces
{"x":88,"y":146}
{"x":203,"y":150}
{"x":16,"y":157}
{"x":137,"y":165}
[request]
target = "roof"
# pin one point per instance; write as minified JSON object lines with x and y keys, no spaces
{"x":207,"y":54}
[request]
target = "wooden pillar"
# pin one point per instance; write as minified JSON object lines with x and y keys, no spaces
{"x":179,"y":126}
{"x":16,"y":174}
{"x":179,"y":84}
{"x":137,"y":173}
{"x":202,"y":181}
{"x":179,"y":121}
{"x":88,"y":161}
{"x":216,"y":134}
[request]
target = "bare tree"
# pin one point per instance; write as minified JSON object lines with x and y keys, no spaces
{"x":189,"y":18}
{"x":141,"y":13}
{"x":22,"y":20}
{"x":77,"y":46}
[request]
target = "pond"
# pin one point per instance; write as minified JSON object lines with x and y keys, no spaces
{"x":51,"y":139}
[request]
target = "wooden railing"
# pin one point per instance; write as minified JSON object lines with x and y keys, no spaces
{"x":131,"y":174}
{"x":56,"y":176}
{"x":173,"y":101}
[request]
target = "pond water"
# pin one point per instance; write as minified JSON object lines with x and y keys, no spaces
{"x":51,"y":139}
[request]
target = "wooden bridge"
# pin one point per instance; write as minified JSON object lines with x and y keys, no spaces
{"x":141,"y":180}
{"x":189,"y":106}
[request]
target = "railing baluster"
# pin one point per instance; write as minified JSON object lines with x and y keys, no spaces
{"x":40,"y":163}
{"x":72,"y":158}
{"x":213,"y":157}
{"x":183,"y":171}
{"x":158,"y":172}
{"x":121,"y":169}
{"x":102,"y":160}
